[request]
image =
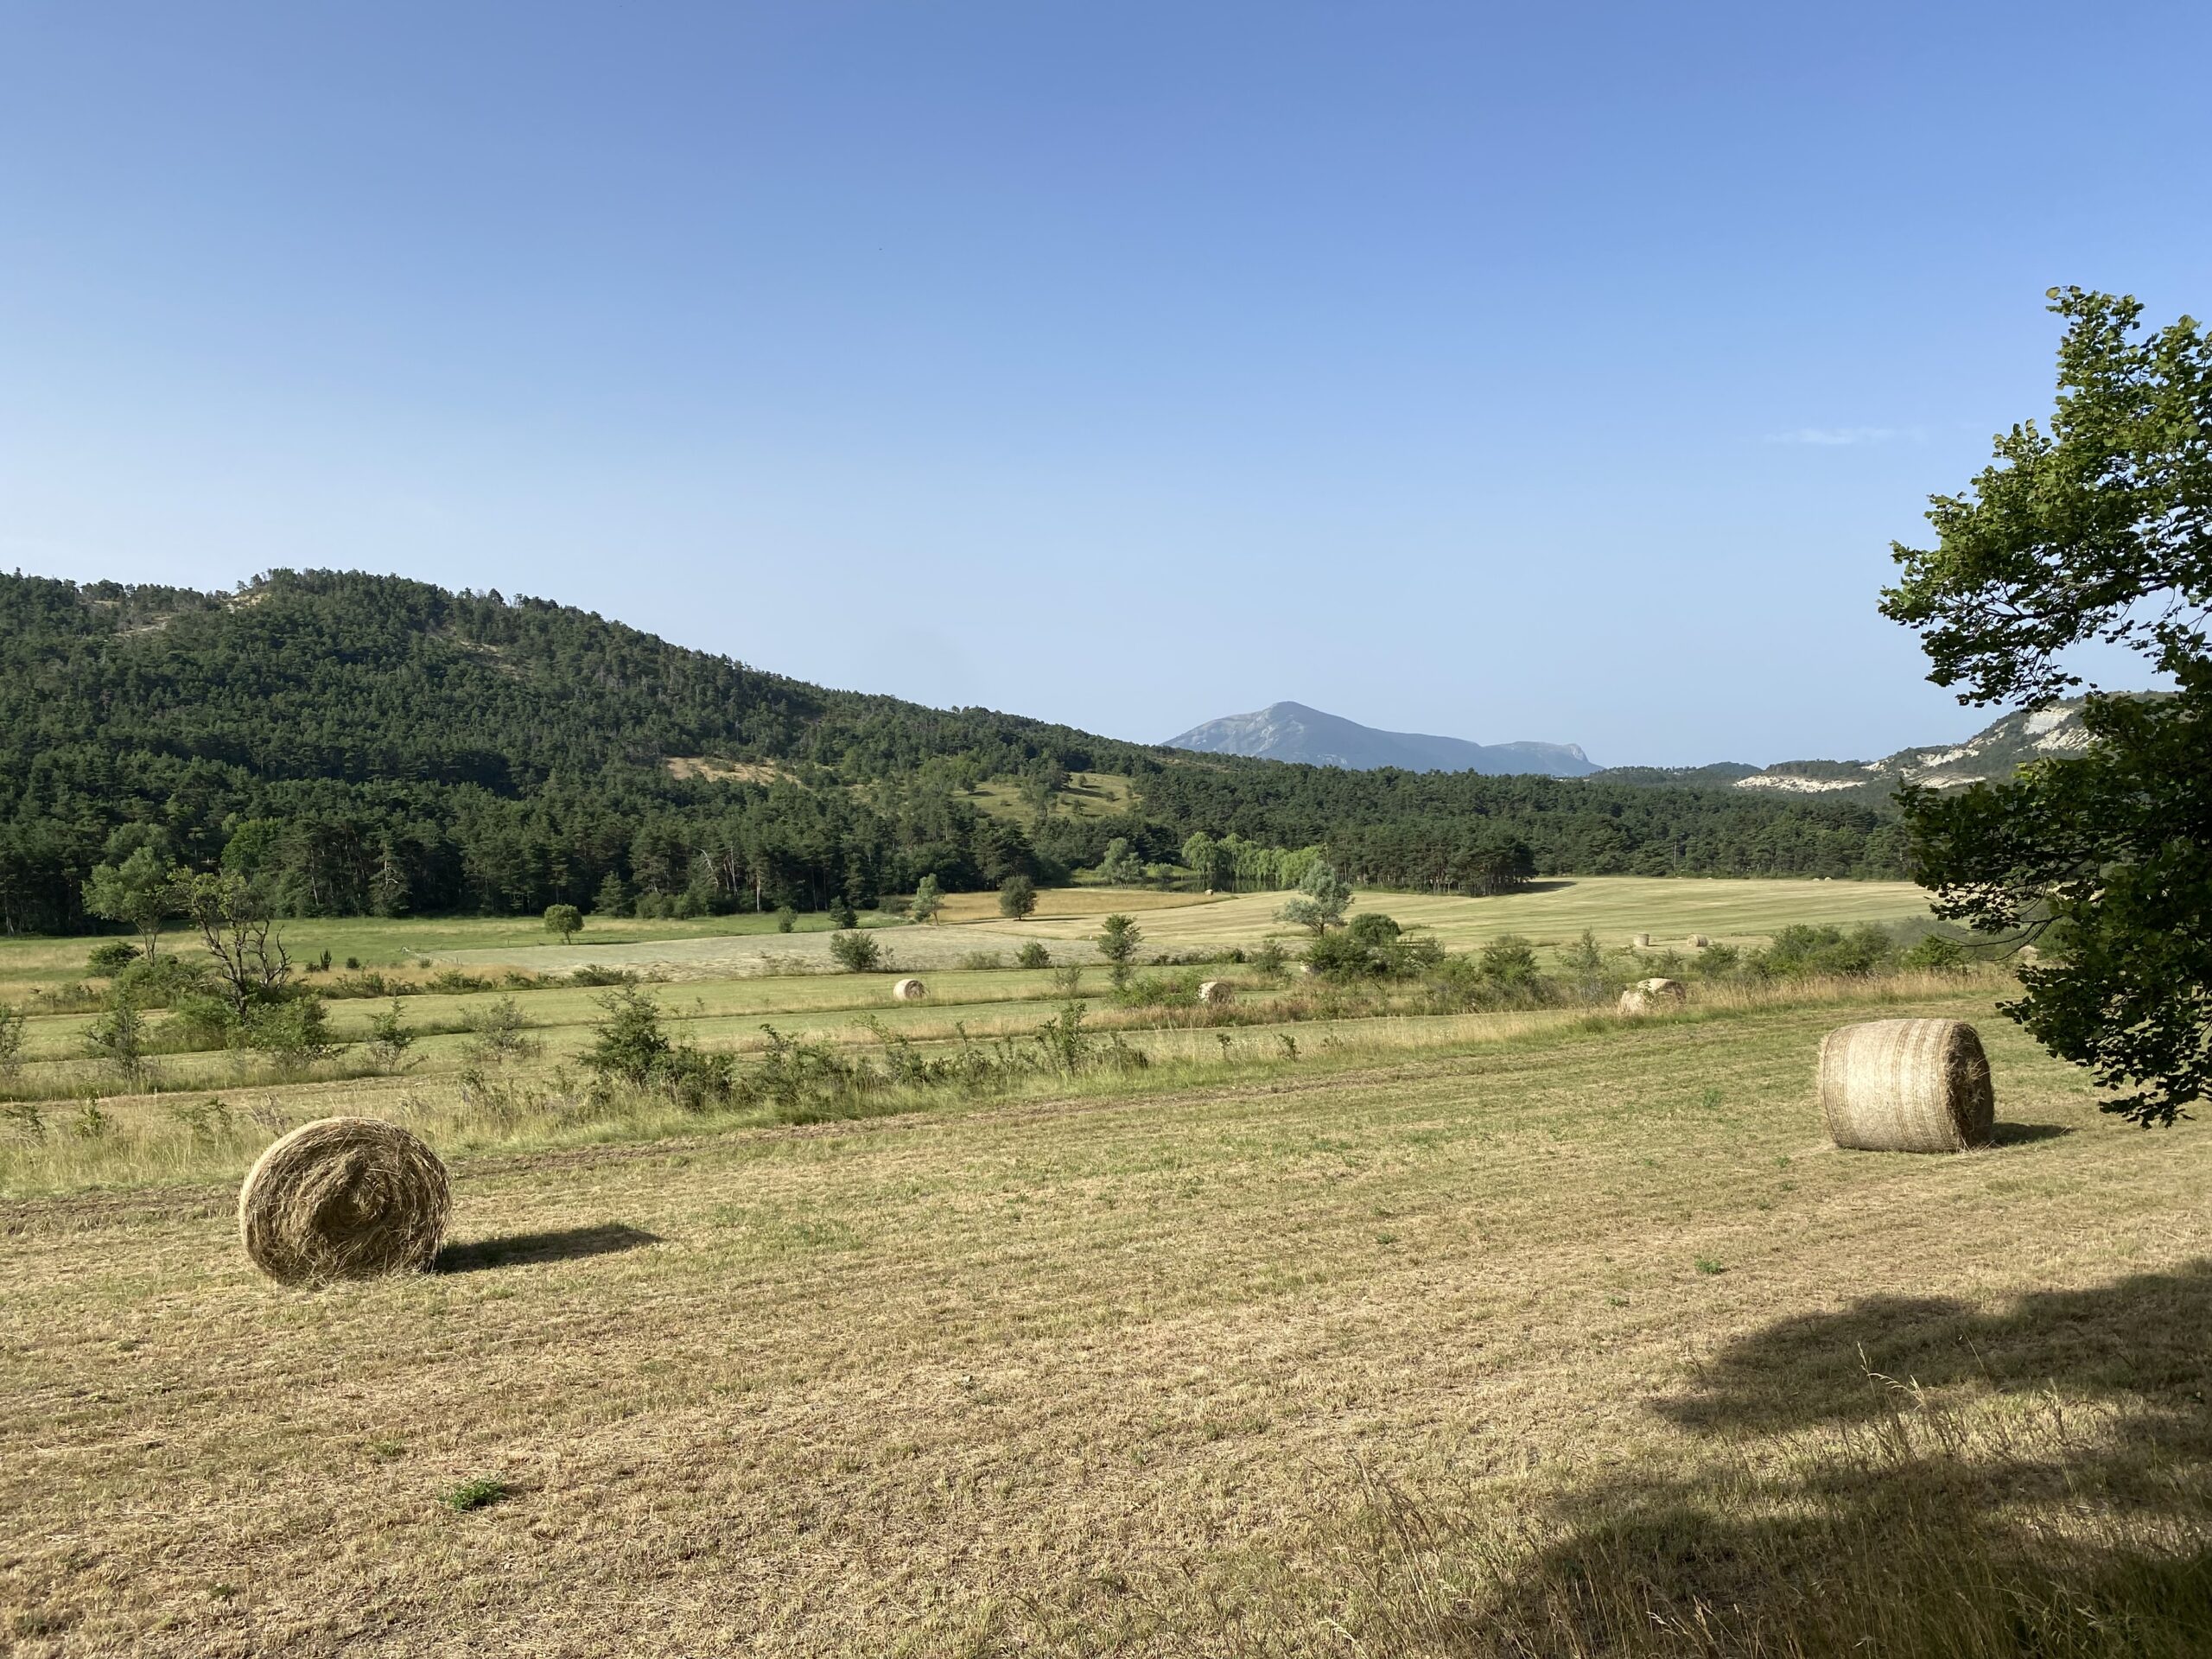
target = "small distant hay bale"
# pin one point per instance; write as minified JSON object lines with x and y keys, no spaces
{"x":909,"y":990}
{"x":343,"y":1197}
{"x":2028,"y":957}
{"x":1216,"y":993}
{"x":1648,"y":995}
{"x":1906,"y":1085}
{"x":1699,"y":942}
{"x":1642,"y":941}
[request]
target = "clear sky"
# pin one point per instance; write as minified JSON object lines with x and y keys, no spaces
{"x":1554,"y":372}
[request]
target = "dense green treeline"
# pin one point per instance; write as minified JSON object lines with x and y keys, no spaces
{"x":359,"y":743}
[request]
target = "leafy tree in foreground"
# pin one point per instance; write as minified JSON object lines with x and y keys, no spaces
{"x":1017,"y":897}
{"x":2099,"y":530}
{"x":565,"y":919}
{"x":1321,"y":900}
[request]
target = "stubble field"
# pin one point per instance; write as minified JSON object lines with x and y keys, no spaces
{"x":1544,"y":1335}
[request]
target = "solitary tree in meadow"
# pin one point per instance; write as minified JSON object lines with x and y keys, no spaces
{"x":1320,"y":902}
{"x":142,"y":891}
{"x":929,"y":899}
{"x":565,"y":919}
{"x":1017,"y":897}
{"x":1118,"y":938}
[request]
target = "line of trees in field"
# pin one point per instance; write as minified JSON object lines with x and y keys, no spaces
{"x":356,"y":744}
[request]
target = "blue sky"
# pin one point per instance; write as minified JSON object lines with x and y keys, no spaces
{"x":1555,"y":372}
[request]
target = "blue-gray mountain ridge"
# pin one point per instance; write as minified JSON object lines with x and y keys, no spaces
{"x":1290,"y":731}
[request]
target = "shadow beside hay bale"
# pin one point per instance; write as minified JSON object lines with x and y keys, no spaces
{"x":526,"y":1249}
{"x":2021,"y":1134}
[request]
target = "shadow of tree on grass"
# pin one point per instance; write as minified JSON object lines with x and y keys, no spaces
{"x":1908,"y":1476}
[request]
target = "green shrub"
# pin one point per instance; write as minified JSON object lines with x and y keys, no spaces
{"x":1509,"y":962}
{"x":390,"y":1039}
{"x":157,"y":982}
{"x":856,"y":951}
{"x":1034,"y":955}
{"x":628,"y":1046}
{"x":1935,"y":954}
{"x":119,"y":1038}
{"x":1799,"y":951}
{"x":293,"y":1035}
{"x":109,"y":957}
{"x":498,"y":1030}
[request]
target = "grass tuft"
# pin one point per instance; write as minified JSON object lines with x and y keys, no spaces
{"x":474,"y":1494}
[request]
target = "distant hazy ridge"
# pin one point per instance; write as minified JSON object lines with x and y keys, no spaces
{"x":1290,"y":731}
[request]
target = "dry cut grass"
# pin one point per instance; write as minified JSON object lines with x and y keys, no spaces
{"x":1580,"y":1344}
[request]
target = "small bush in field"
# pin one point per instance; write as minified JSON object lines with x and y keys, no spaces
{"x":1034,"y":955}
{"x":109,"y":957}
{"x":856,"y":952}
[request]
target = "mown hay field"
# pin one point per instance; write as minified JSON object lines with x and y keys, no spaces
{"x":1580,"y":1340}
{"x":1553,"y":913}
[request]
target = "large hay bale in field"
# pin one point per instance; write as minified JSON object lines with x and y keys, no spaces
{"x":1906,"y":1085}
{"x":1642,"y":941}
{"x":1216,"y":993}
{"x":1648,"y":995}
{"x":1699,"y":942}
{"x":910,"y":990}
{"x":343,"y":1197}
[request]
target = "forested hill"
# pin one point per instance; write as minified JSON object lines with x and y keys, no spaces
{"x":364,"y":742}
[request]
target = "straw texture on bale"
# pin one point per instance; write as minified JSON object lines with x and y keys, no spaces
{"x":1216,"y":993}
{"x":1642,"y":941}
{"x":1648,"y":994}
{"x":909,"y":990}
{"x":344,"y":1198}
{"x":1699,"y":942}
{"x":1906,"y":1085}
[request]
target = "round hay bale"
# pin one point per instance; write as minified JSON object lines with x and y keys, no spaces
{"x":1642,"y":941}
{"x":1216,"y":993}
{"x":343,"y":1197}
{"x":1647,"y":995}
{"x":1699,"y":942}
{"x":909,"y":990}
{"x":1906,"y":1085}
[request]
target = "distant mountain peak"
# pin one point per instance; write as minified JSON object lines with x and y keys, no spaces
{"x":1296,"y":732}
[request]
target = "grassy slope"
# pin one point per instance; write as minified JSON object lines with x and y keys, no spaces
{"x":1088,"y":795}
{"x":1093,"y":1375}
